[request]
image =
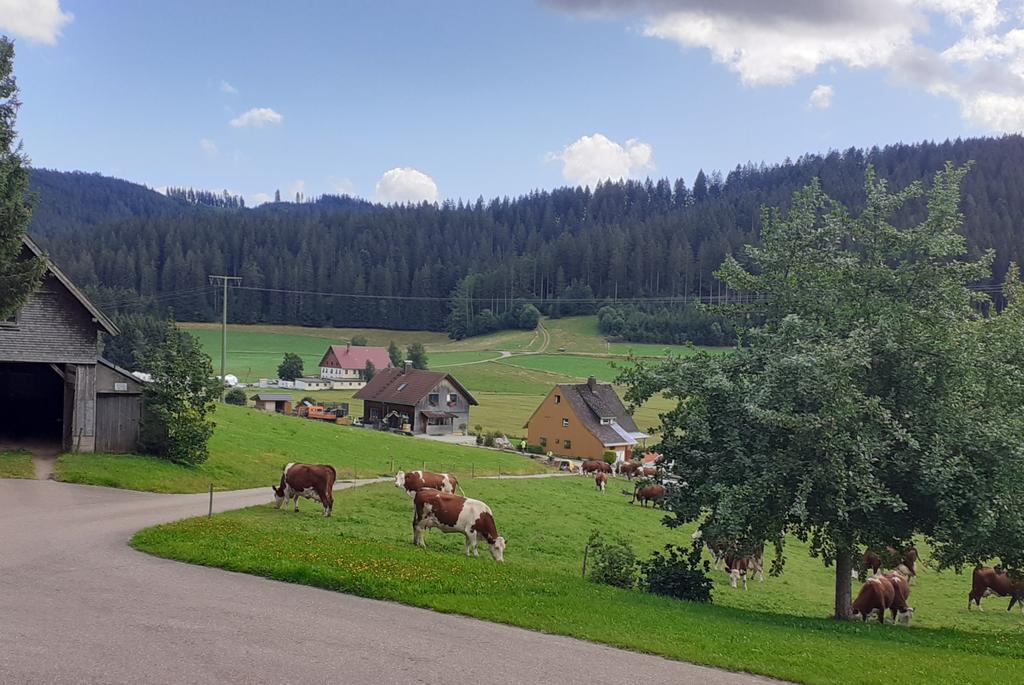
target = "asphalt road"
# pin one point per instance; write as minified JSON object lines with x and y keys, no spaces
{"x":77,"y":605}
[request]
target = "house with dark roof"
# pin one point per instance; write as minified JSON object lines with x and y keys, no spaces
{"x":279,"y":402}
{"x":430,"y":402}
{"x":54,"y":386}
{"x":345,"y":365}
{"x":584,"y":420}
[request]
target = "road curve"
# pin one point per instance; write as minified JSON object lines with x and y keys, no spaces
{"x":77,"y":605}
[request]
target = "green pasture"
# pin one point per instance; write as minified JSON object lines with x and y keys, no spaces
{"x":16,"y":464}
{"x":777,"y":628}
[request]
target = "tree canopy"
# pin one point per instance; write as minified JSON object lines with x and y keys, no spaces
{"x":873,"y":396}
{"x":290,"y":367}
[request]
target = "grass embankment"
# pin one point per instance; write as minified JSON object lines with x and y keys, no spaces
{"x":776,"y":628}
{"x":249,"y":448}
{"x":16,"y":464}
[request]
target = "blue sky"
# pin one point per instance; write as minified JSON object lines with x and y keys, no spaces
{"x":412,"y":100}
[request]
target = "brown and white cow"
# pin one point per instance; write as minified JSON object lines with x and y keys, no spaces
{"x":647,"y":471}
{"x":739,"y":567}
{"x":595,"y":466}
{"x":987,"y":581}
{"x":601,"y":481}
{"x":454,"y":514}
{"x":414,"y":481}
{"x":876,"y":594}
{"x":312,"y":481}
{"x":892,"y":558}
{"x":655,"y":494}
{"x":629,"y":469}
{"x":901,"y":593}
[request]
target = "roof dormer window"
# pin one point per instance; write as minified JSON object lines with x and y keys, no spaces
{"x":605,"y":421}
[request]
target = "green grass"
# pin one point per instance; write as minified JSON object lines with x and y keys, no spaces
{"x":776,"y":628}
{"x":249,"y":448}
{"x":573,"y":366}
{"x":16,"y":464}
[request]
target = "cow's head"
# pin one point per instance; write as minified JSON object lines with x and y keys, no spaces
{"x":400,"y":480}
{"x":903,"y":617}
{"x":279,"y":497}
{"x":498,"y":549}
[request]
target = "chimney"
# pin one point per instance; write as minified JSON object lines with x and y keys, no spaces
{"x":407,"y":367}
{"x":592,"y":383}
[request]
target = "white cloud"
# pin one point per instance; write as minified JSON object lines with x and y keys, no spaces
{"x":257,"y":117}
{"x":340,"y":186}
{"x":597,"y":158}
{"x":208,"y":146}
{"x":821,"y":97}
{"x":37,"y":20}
{"x":405,"y":184}
{"x":298,"y":186}
{"x":770,"y":42}
{"x":226,"y":87}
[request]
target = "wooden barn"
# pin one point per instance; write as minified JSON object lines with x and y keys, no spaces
{"x":54,"y":387}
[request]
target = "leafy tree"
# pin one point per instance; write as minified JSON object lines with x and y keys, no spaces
{"x":417,"y":354}
{"x":290,"y":367}
{"x":358,"y":341}
{"x":235,"y":396}
{"x":177,"y":422}
{"x":869,"y":403}
{"x":139,"y":333}
{"x":613,"y":561}
{"x":394,"y":354}
{"x":527,"y":317}
{"x":18,"y":277}
{"x":369,"y":371}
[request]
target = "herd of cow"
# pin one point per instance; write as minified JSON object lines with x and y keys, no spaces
{"x":435,"y":505}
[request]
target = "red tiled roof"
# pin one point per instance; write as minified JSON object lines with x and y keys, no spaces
{"x":397,"y":386}
{"x":356,"y":356}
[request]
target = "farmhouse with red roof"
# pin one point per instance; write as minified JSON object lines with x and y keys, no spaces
{"x":345,"y":365}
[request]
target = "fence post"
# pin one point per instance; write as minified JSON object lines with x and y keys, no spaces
{"x":472,"y":470}
{"x":586,"y":549}
{"x":209,"y":514}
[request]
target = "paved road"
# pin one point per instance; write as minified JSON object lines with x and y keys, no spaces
{"x":77,"y":605}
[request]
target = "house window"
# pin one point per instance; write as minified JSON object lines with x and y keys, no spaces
{"x":565,"y":423}
{"x":568,"y":444}
{"x":434,"y":398}
{"x":374,"y":413}
{"x":452,"y":398}
{"x":11,"y":320}
{"x":558,"y":399}
{"x":402,"y":386}
{"x":543,"y":442}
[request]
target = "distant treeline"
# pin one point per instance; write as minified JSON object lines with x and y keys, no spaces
{"x":206,"y":198}
{"x":468,"y":267}
{"x":669,"y":324}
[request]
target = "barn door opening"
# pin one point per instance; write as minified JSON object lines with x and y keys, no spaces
{"x":31,"y":404}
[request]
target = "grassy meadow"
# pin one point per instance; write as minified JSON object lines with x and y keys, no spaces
{"x":777,"y":628}
{"x":16,"y":464}
{"x":509,"y":388}
{"x":249,"y":448}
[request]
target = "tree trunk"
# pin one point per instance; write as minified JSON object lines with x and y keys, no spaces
{"x":844,"y":569}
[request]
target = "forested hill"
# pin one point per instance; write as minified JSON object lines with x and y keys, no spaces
{"x":633,"y":239}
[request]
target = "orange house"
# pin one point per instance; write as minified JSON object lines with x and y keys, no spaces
{"x":584,"y":420}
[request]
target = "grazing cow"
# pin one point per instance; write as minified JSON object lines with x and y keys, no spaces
{"x":738,"y":567}
{"x":312,"y":481}
{"x":892,"y":558}
{"x":629,"y":469}
{"x":414,"y":481}
{"x":595,"y":466}
{"x":655,"y":494}
{"x":876,"y":594}
{"x":601,"y":481}
{"x":454,"y":514}
{"x":987,"y":581}
{"x":901,"y":593}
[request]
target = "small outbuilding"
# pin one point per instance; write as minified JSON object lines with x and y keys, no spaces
{"x":279,"y":402}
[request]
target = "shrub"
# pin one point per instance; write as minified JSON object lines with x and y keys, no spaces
{"x":681,"y":574}
{"x":535,"y":449}
{"x":479,"y":438}
{"x":358,"y":341}
{"x":611,"y":561}
{"x":235,"y":396}
{"x":489,"y":439}
{"x":610,"y":456}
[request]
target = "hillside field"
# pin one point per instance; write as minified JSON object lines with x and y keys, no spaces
{"x":508,"y":388}
{"x":777,"y":628}
{"x":249,"y":448}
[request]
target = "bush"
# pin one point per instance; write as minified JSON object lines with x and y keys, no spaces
{"x":612,"y":561}
{"x":489,"y":438}
{"x":235,"y":396}
{"x":358,"y":341}
{"x":535,"y":449}
{"x":610,"y":457}
{"x":681,"y":574}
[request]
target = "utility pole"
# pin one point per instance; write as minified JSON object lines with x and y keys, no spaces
{"x":224,"y":280}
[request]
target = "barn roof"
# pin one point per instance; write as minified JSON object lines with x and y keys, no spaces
{"x":105,"y":323}
{"x":356,"y":356}
{"x":407,"y":386}
{"x":272,"y":397}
